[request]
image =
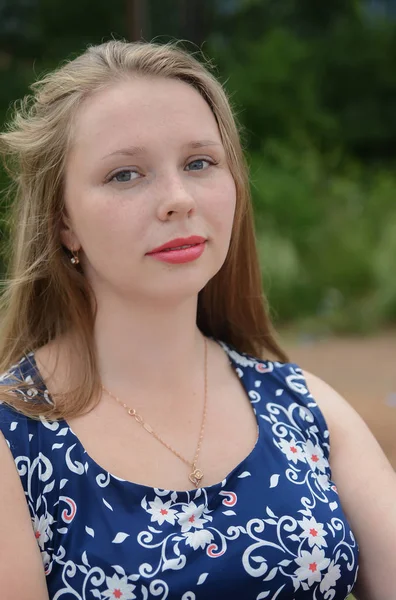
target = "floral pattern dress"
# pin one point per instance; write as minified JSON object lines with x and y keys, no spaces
{"x":273,"y":528}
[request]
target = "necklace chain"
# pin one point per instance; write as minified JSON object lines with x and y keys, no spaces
{"x":196,"y":474}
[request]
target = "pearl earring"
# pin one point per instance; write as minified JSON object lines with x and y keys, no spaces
{"x":74,"y":259}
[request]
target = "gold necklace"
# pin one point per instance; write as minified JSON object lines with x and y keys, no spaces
{"x":196,"y":474}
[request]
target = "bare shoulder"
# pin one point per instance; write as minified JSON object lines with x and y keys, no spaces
{"x":367,"y":487}
{"x":327,"y":397}
{"x":349,"y":434}
{"x":17,"y":537}
{"x":58,"y":364}
{"x":341,"y":418}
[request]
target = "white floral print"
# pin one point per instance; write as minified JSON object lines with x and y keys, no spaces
{"x":323,"y":481}
{"x":191,"y":517}
{"x":315,"y":458}
{"x":311,"y":565}
{"x":118,"y":587}
{"x":292,"y":450}
{"x":199,"y":538}
{"x":331,"y":577}
{"x":313,"y":531}
{"x":42,"y":530}
{"x":161,"y":511}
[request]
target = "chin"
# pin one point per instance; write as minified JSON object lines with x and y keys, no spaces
{"x":180,"y":285}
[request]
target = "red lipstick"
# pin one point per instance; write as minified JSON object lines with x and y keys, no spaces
{"x":180,"y":250}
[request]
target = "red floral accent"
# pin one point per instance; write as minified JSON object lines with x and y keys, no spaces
{"x":313,"y":532}
{"x":117,"y":594}
{"x":314,"y":458}
{"x":313,"y":567}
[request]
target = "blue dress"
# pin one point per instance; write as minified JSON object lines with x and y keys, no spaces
{"x":273,"y":528}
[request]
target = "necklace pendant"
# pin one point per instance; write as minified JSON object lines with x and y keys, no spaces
{"x":195,"y":477}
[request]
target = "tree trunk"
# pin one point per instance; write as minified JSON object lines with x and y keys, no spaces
{"x":137,"y":20}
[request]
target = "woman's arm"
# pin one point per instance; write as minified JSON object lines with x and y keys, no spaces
{"x":21,"y":568}
{"x":366,"y":484}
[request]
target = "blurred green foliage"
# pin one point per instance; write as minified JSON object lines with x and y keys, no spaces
{"x":327,"y":238}
{"x":314,"y":88}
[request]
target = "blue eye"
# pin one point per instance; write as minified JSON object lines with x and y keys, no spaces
{"x":198,"y":165}
{"x":124,"y":176}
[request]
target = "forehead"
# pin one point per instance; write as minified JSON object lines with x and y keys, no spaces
{"x":143,"y":111}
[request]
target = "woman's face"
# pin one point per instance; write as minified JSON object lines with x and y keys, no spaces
{"x":147,"y":167}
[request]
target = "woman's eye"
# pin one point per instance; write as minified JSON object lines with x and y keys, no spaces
{"x":198,"y":165}
{"x":124,"y":176}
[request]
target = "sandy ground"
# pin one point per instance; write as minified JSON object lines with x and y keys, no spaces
{"x":363,"y":370}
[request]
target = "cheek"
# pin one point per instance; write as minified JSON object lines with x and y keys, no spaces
{"x":108,"y":227}
{"x":222,"y":208}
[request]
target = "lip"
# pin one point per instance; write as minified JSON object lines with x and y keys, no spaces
{"x":193,"y":240}
{"x":173,"y":252}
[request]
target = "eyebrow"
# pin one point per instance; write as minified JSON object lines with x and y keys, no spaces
{"x":134,"y":150}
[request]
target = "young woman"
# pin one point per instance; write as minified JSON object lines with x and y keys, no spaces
{"x":150,"y":447}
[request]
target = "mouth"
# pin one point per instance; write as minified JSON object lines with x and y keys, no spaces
{"x":178,"y":248}
{"x":180,"y":251}
{"x":179,"y":244}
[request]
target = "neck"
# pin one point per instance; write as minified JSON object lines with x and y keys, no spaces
{"x":150,"y":346}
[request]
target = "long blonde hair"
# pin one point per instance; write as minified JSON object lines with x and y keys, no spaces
{"x":45,"y":296}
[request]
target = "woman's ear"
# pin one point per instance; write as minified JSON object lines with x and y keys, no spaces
{"x":67,"y":236}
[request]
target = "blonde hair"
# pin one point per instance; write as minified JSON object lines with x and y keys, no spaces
{"x":46,"y":296}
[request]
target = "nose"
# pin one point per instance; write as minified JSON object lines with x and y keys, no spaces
{"x":176,"y":201}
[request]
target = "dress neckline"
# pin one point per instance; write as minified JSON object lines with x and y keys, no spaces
{"x":104,"y":475}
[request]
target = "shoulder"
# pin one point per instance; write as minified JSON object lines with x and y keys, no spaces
{"x":329,"y":396}
{"x":23,"y":380}
{"x":343,"y":421}
{"x":12,"y":385}
{"x":281,"y":388}
{"x":19,"y":386}
{"x":278,"y":376}
{"x":22,"y":372}
{"x":350,"y":436}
